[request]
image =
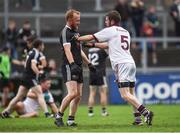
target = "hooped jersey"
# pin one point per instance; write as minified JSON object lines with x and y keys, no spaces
{"x":118,"y":42}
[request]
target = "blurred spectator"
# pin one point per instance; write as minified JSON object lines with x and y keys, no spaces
{"x":35,"y":4}
{"x":53,"y":68}
{"x":24,"y":33}
{"x":150,"y":29}
{"x":5,"y":70}
{"x":137,"y":10}
{"x":10,"y":38}
{"x":123,"y":8}
{"x":175,"y":13}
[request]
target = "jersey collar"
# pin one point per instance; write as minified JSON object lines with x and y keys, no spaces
{"x":68,"y":27}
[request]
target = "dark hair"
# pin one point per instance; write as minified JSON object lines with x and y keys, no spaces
{"x":37,"y":43}
{"x":26,"y":22}
{"x":114,"y":15}
{"x":31,"y":38}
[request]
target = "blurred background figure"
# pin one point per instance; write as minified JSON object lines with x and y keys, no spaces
{"x":123,"y":8}
{"x":10,"y":38}
{"x":35,"y":4}
{"x":24,"y":33}
{"x":5,"y":70}
{"x":150,"y":29}
{"x":175,"y":13}
{"x":137,"y":10}
{"x":52,"y":67}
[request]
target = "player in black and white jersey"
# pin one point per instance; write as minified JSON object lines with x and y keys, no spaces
{"x":31,"y":75}
{"x":97,"y":79}
{"x":71,"y":67}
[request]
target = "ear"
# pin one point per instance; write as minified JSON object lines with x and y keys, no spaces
{"x":112,"y":22}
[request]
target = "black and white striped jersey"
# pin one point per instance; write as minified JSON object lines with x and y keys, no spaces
{"x":33,"y":55}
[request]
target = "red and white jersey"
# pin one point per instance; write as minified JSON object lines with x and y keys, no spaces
{"x":119,"y":44}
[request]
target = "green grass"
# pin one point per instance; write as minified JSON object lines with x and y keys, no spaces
{"x":167,"y":118}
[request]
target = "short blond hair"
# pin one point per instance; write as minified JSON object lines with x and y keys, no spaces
{"x":70,"y":13}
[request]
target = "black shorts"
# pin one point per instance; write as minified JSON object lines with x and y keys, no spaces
{"x":97,"y":79}
{"x":29,"y":81}
{"x":68,"y":76}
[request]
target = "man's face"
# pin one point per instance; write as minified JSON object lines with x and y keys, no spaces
{"x":12,"y":25}
{"x":46,"y":85}
{"x":27,"y":26}
{"x":75,"y":21}
{"x":107,"y":21}
{"x":42,"y":47}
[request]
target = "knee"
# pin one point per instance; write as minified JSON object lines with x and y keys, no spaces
{"x":125,"y":97}
{"x":73,"y":95}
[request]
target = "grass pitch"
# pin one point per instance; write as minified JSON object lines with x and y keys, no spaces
{"x":166,"y":119}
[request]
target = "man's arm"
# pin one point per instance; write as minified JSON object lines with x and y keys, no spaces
{"x":53,"y":107}
{"x":103,"y":45}
{"x":34,"y":67}
{"x":86,"y":38}
{"x":43,"y":63}
{"x":67,"y":50}
{"x":84,"y":57}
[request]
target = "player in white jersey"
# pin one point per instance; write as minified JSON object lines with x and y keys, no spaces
{"x":30,"y":106}
{"x":117,"y":40}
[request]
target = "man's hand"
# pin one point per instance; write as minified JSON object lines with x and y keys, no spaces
{"x":91,"y":68}
{"x":41,"y":76}
{"x":76,"y":36}
{"x":75,"y":69}
{"x":89,"y":45}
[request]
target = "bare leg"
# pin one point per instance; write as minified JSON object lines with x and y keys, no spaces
{"x":75,"y":102}
{"x":5,"y":96}
{"x":38,"y":91}
{"x":72,"y":93}
{"x":103,"y":95}
{"x":136,"y":113}
{"x":103,"y":99}
{"x":127,"y":96}
{"x":92,"y":94}
{"x":22,"y":91}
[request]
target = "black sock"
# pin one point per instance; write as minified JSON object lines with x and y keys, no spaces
{"x":143,"y":111}
{"x":103,"y":109}
{"x":90,"y":109}
{"x":59,"y":115}
{"x":71,"y":118}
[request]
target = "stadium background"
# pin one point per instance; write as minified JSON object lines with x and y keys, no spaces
{"x":157,"y":83}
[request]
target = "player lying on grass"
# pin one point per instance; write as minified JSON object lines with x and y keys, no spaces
{"x":30,"y":80}
{"x":30,"y":106}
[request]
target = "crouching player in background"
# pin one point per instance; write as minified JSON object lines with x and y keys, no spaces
{"x":30,"y":80}
{"x":97,"y":79}
{"x":30,"y":106}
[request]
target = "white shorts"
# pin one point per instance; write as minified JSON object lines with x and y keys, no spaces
{"x":30,"y":105}
{"x":125,"y":72}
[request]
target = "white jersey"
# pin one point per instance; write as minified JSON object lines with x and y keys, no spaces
{"x":32,"y":105}
{"x":119,"y":44}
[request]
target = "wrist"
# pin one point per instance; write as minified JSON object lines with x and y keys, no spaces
{"x":89,"y":64}
{"x":93,"y":44}
{"x":72,"y":63}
